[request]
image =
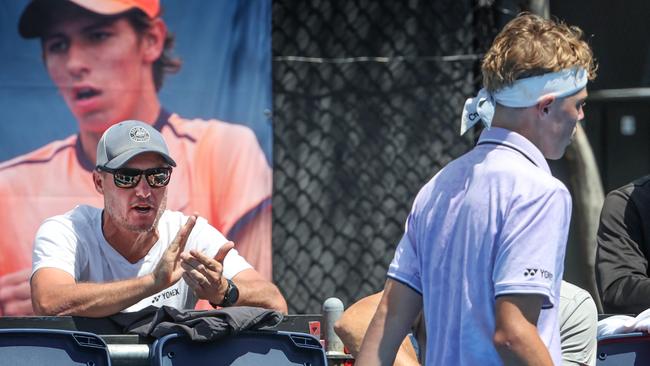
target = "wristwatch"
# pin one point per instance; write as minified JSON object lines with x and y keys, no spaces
{"x":231,"y":295}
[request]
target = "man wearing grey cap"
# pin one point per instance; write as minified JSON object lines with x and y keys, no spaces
{"x":134,"y":253}
{"x":108,"y":60}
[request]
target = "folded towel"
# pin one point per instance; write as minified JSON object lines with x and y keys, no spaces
{"x":621,"y":324}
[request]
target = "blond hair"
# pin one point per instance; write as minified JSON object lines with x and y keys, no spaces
{"x":530,"y":45}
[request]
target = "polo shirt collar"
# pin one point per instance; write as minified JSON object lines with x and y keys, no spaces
{"x":502,"y":136}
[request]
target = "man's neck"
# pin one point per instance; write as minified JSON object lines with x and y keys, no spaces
{"x":133,"y":246}
{"x":518,"y":120}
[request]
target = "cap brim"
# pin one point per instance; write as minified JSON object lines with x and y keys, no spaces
{"x":33,"y":17}
{"x":120,"y":160}
{"x":31,"y":21}
{"x":104,"y":7}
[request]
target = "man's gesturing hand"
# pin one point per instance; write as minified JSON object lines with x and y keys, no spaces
{"x":15,"y":295}
{"x":169,"y":270}
{"x":204,"y":274}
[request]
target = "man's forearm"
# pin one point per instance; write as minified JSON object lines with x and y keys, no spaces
{"x":92,"y":299}
{"x":629,"y":295}
{"x":516,"y":336}
{"x":354,"y":322}
{"x":522,"y":348}
{"x":260,"y":293}
{"x":378,"y":346}
{"x":395,"y":314}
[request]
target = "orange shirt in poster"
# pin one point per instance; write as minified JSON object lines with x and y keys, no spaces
{"x":222,"y":174}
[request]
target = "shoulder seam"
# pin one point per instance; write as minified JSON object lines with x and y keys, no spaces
{"x":39,"y":161}
{"x":178,"y":134}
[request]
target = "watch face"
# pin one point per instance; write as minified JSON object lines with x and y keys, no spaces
{"x":233,"y":293}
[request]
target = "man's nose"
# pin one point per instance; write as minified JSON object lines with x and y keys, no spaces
{"x":142,"y":189}
{"x":76,"y":64}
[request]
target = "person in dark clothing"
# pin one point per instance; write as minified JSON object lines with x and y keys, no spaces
{"x":622,"y":272}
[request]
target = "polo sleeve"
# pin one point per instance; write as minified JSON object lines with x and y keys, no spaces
{"x":404,"y":266}
{"x":55,"y":246}
{"x":233,"y":190}
{"x":232,"y":170}
{"x":530,"y":251}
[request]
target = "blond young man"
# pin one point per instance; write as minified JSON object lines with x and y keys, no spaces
{"x":483,"y":249}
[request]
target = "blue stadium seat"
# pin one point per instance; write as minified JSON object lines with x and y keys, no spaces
{"x":31,"y":347}
{"x":250,"y":348}
{"x":630,"y":349}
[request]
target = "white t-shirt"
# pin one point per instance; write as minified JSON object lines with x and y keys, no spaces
{"x":74,"y":242}
{"x":493,"y":222}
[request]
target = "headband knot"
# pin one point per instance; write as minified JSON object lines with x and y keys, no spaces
{"x":521,"y":94}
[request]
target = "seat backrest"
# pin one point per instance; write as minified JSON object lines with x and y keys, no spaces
{"x":624,"y":350}
{"x":52,"y":347}
{"x":265,"y":348}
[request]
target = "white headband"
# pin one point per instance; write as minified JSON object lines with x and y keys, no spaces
{"x":522,"y":93}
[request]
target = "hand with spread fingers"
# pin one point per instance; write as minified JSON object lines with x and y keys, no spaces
{"x":169,"y":270}
{"x":205,"y":275}
{"x":15,"y":295}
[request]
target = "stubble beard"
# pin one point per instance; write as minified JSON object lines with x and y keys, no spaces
{"x":139,"y":228}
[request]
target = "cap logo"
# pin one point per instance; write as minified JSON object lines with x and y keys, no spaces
{"x":139,"y":134}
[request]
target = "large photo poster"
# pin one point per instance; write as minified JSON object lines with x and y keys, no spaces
{"x":73,"y":68}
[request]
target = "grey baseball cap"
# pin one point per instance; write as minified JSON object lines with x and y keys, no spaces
{"x":123,"y":141}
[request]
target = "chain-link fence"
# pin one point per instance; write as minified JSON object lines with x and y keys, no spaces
{"x":367,"y":102}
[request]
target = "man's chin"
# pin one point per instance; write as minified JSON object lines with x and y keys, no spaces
{"x":145,"y":223}
{"x":141,"y":229}
{"x":141,"y":226}
{"x":96,"y":122}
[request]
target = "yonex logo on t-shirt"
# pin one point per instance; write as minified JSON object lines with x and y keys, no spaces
{"x":531,"y":272}
{"x":165,"y":295}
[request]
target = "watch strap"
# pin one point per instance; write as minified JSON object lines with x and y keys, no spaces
{"x":228,"y":295}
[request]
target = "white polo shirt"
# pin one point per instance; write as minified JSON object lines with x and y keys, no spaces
{"x":492,"y":222}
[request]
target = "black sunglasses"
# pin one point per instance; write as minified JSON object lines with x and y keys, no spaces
{"x":130,"y":177}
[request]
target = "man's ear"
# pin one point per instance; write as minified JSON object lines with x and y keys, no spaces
{"x":153,"y":40}
{"x":544,"y":105}
{"x":99,"y":182}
